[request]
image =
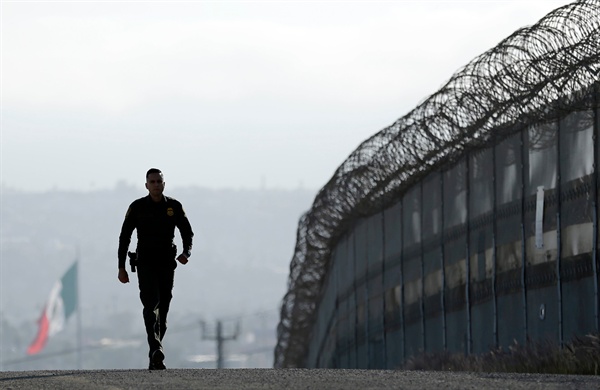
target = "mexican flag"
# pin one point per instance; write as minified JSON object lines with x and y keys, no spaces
{"x":61,"y":303}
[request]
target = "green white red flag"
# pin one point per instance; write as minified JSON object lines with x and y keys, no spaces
{"x":60,"y":305}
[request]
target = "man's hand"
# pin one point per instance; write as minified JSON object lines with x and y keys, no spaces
{"x":123,"y":276}
{"x":182,"y":259}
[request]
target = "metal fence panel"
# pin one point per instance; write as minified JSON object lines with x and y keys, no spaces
{"x":392,"y":217}
{"x":578,"y":308}
{"x":456,"y":331}
{"x":376,"y":337}
{"x":345,"y":268}
{"x":481,"y":185}
{"x":432,"y":206}
{"x":360,"y":282}
{"x":576,"y":150}
{"x":344,"y":283}
{"x":392,"y":281}
{"x":576,"y":224}
{"x":455,"y":251}
{"x":482,"y":299}
{"x":511,"y":321}
{"x":432,"y":258}
{"x":361,"y":250}
{"x":352,"y":303}
{"x":351,"y":331}
{"x":412,"y":271}
{"x":394,"y":332}
{"x":433,"y":311}
{"x":542,"y":157}
{"x":542,"y":313}
{"x":542,"y":282}
{"x":361,"y":263}
{"x":455,"y":195}
{"x":510,"y":291}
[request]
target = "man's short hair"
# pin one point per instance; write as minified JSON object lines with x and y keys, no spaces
{"x":153,"y":170}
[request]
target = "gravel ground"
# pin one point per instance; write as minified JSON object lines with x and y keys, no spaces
{"x":288,"y":379}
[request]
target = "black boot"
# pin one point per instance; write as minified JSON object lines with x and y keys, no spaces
{"x":156,"y":361}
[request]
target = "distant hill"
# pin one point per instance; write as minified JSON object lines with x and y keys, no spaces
{"x":244,"y":241}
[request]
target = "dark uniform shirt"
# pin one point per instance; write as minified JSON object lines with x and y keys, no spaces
{"x":155,"y":223}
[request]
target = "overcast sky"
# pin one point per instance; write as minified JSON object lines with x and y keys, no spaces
{"x":222,"y":94}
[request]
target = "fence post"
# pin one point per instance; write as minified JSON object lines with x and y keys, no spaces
{"x":468,"y":251}
{"x":524,"y":133}
{"x":595,"y":202}
{"x":558,"y":232}
{"x":442,"y":259}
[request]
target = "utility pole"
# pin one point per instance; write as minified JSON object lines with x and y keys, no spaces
{"x":219,"y":338}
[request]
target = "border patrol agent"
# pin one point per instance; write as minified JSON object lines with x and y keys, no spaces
{"x":155,"y":217}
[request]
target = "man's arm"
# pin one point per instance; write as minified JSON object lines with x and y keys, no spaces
{"x":124,"y":240}
{"x":187,"y":235}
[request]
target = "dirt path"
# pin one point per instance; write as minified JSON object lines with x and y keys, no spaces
{"x":286,"y":379}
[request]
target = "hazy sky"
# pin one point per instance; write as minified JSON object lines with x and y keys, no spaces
{"x":222,"y":94}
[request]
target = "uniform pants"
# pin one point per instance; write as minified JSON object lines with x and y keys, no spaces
{"x":156,"y":285}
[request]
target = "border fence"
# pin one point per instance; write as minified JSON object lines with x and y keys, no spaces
{"x":469,"y":223}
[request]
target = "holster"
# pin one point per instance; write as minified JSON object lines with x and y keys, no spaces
{"x":132,"y":260}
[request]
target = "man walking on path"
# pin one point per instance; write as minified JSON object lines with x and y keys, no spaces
{"x":155,"y":217}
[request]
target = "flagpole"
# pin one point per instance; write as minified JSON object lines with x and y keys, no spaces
{"x":79,"y":333}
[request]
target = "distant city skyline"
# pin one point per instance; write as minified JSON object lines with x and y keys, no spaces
{"x":246,"y":94}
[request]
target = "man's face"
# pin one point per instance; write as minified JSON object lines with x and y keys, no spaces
{"x":155,"y":184}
